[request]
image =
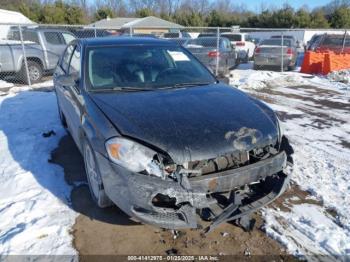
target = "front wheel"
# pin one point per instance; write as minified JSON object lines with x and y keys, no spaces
{"x":35,"y":72}
{"x":97,"y":191}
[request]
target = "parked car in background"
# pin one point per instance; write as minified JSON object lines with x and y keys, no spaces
{"x":207,"y":35}
{"x":180,"y":34}
{"x":205,"y":49}
{"x":284,"y":37}
{"x":139,"y":35}
{"x":269,"y":54}
{"x":333,"y":42}
{"x":163,"y":139}
{"x":180,"y":41}
{"x":43,"y":48}
{"x":243,"y":45}
{"x":88,"y":32}
{"x":315,"y":40}
{"x":256,"y":40}
{"x":294,"y":40}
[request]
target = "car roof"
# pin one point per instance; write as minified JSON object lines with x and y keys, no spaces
{"x":124,"y":40}
{"x":233,"y":33}
{"x":207,"y":37}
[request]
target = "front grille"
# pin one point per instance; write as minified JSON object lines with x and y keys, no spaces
{"x":230,"y":161}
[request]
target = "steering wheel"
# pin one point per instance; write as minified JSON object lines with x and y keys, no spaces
{"x":171,"y":72}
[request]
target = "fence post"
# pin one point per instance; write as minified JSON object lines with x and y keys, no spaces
{"x":282,"y":57}
{"x":131,"y":33}
{"x":95,"y":31}
{"x":24,"y":55}
{"x":344,"y":40}
{"x":217,"y":50}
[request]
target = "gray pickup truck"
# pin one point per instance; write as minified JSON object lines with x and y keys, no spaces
{"x":43,"y":47}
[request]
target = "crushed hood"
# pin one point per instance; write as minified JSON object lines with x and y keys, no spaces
{"x":193,"y":123}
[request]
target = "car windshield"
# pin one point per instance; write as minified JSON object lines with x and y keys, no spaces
{"x":233,"y":37}
{"x":203,"y":42}
{"x":336,"y":40}
{"x":143,"y":67}
{"x":276,"y":42}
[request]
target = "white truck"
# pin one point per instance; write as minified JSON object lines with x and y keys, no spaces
{"x":42,"y":48}
{"x":243,"y":45}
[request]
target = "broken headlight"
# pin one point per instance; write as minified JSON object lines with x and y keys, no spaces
{"x":132,"y":156}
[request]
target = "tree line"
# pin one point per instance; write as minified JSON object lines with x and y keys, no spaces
{"x":223,"y":13}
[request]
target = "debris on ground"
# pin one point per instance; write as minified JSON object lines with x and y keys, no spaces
{"x":175,"y":233}
{"x":225,"y":234}
{"x":247,"y":252}
{"x":172,"y":252}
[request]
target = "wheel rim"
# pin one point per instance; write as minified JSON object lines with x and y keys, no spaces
{"x":91,"y":171}
{"x":34,"y":73}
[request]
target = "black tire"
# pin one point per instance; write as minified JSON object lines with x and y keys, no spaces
{"x":60,"y":113}
{"x":99,"y":196}
{"x":62,"y":118}
{"x":35,"y":71}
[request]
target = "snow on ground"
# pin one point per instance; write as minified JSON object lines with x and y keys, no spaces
{"x":35,"y":213}
{"x":340,"y":76}
{"x":245,"y":77}
{"x":9,"y":88}
{"x":316,"y":117}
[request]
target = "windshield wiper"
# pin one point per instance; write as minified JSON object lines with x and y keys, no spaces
{"x":135,"y":89}
{"x":131,"y":88}
{"x":190,"y":84}
{"x":119,"y":88}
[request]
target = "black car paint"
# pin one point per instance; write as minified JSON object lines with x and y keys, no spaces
{"x":189,"y":123}
{"x":186,"y":123}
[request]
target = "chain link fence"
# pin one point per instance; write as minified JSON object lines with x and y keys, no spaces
{"x":29,"y":53}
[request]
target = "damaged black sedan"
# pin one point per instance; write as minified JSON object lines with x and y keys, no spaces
{"x":163,"y":139}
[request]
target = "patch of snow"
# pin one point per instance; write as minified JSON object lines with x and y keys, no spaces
{"x":340,"y":76}
{"x":244,"y":78}
{"x":35,"y":212}
{"x":5,"y":87}
{"x":310,"y":231}
{"x":4,"y":84}
{"x":9,"y":88}
{"x":253,"y":79}
{"x":318,"y":127}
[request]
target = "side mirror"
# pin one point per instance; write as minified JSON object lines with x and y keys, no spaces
{"x":66,"y":80}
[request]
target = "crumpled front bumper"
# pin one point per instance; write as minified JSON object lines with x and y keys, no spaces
{"x":133,"y":192}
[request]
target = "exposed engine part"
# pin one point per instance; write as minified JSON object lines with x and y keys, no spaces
{"x":164,"y":201}
{"x":229,"y":161}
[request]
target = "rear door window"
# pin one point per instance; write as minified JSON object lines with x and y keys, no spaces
{"x":31,"y":36}
{"x":68,"y":37}
{"x":234,"y":38}
{"x":54,"y":38}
